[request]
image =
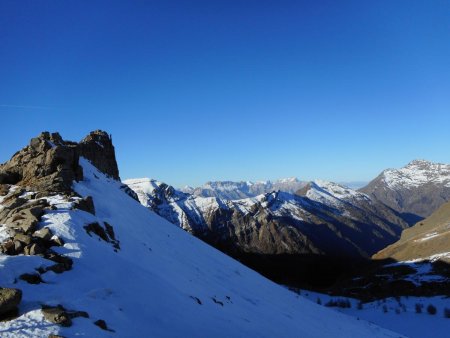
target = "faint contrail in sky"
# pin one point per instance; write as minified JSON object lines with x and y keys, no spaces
{"x":20,"y":106}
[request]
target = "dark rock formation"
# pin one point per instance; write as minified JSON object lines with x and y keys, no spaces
{"x":85,"y":204}
{"x":97,"y":147}
{"x":102,"y":324}
{"x":106,"y":233}
{"x":31,"y":278}
{"x":9,"y":300}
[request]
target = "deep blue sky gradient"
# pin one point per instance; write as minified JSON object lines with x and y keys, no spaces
{"x":241,"y":90}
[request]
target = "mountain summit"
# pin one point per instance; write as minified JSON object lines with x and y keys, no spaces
{"x":415,"y":191}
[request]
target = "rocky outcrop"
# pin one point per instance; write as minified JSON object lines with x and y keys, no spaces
{"x":47,"y":164}
{"x":97,"y":147}
{"x":50,"y":165}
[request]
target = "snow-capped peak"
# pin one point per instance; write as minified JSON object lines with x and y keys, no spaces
{"x":417,"y":173}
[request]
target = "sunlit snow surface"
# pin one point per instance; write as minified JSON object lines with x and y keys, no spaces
{"x":162,"y":283}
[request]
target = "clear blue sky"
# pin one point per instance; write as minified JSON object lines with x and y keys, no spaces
{"x":212,"y":90}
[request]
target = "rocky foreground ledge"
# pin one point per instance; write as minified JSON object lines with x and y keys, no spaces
{"x":48,"y":166}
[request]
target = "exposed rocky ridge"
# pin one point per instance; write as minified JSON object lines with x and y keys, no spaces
{"x":50,"y":165}
{"x":415,"y":190}
{"x":323,"y":221}
{"x":237,"y":190}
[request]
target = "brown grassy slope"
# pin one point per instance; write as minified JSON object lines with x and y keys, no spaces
{"x":427,"y":238}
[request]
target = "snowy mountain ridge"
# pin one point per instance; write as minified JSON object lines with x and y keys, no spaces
{"x":238,"y":190}
{"x":416,"y":173}
{"x":415,"y":191}
{"x":235,"y":222}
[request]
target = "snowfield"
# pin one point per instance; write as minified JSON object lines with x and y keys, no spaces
{"x":162,"y":282}
{"x":398,"y":314}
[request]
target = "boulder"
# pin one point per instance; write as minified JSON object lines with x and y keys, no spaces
{"x":85,"y":204}
{"x":8,"y":248}
{"x":9,"y":300}
{"x":61,"y":316}
{"x":33,"y":249}
{"x":25,"y":239}
{"x":57,"y":315}
{"x":102,"y":324}
{"x":56,"y":241}
{"x":4,"y":189}
{"x":31,"y":278}
{"x":45,"y":234}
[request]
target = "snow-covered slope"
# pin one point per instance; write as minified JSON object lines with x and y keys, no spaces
{"x":162,"y":282}
{"x":415,"y":190}
{"x":237,"y":190}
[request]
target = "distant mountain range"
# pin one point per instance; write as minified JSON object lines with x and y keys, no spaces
{"x":253,"y":222}
{"x":288,"y":237}
{"x":237,"y":190}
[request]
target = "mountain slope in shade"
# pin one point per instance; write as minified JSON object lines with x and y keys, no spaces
{"x":415,"y":190}
{"x":323,"y":218}
{"x":237,"y":190}
{"x":428,"y":239}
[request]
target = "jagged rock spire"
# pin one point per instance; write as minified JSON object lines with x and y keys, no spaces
{"x":97,"y":147}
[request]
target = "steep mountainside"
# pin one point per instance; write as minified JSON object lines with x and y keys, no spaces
{"x":278,"y":233}
{"x":79,"y":264}
{"x":244,"y":189}
{"x":415,"y":190}
{"x":428,"y":239}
